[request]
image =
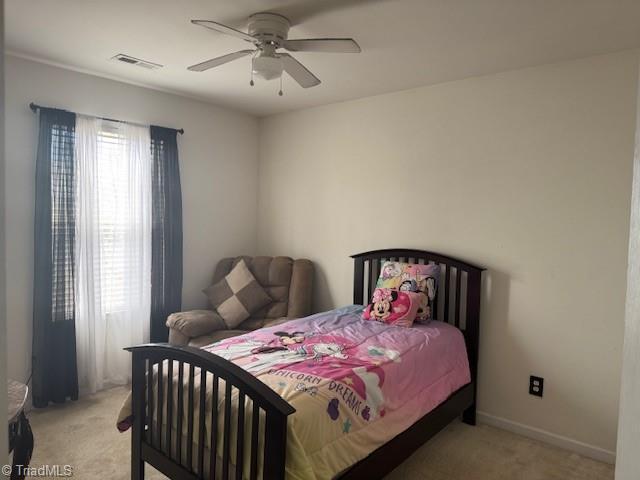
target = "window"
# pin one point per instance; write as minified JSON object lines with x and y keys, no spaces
{"x":116,"y":225}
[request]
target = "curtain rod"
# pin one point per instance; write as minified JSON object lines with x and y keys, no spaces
{"x":35,"y":107}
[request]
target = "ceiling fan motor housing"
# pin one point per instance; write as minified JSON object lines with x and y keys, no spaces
{"x":269,"y":28}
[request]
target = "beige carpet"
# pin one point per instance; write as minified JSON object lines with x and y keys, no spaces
{"x":82,"y":434}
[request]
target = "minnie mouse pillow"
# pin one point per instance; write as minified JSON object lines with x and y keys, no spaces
{"x":394,"y":307}
{"x":412,"y":277}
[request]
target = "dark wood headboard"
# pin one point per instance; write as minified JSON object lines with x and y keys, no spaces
{"x":457,"y":299}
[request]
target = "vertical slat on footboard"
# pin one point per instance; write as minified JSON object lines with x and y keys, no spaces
{"x":213,"y":441}
{"x":255,"y":426}
{"x":240,"y":437}
{"x":227,"y":431}
{"x":275,"y":446}
{"x":201,"y":426}
{"x":190,"y":419}
{"x":150,"y":412}
{"x":169,"y":406}
{"x":180,"y":411}
{"x":160,"y":403}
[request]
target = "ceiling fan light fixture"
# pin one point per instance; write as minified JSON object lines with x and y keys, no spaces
{"x":269,"y":32}
{"x":267,"y":67}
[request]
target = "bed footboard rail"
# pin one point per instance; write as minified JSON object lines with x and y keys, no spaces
{"x":174,"y":425}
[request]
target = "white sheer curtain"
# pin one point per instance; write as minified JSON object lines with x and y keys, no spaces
{"x":113,"y":248}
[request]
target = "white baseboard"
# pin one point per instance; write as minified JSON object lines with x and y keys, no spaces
{"x":566,"y":443}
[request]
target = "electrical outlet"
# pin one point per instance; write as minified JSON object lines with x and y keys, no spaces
{"x":536,"y":385}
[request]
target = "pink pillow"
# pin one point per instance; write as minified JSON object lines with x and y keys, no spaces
{"x":393,"y":307}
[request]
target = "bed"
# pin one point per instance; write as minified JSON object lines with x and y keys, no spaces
{"x":222,"y":411}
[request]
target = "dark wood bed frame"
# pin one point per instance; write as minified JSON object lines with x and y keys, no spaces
{"x":457,"y":302}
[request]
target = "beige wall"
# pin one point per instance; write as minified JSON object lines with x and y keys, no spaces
{"x":527,"y":173}
{"x":218,"y":160}
{"x":628,"y":463}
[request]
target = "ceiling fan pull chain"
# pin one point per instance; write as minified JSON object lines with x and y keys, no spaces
{"x":280,"y":92}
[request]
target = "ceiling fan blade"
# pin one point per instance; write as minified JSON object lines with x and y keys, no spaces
{"x":218,"y":27}
{"x":214,"y":62}
{"x":330,"y":45}
{"x":298,"y":71}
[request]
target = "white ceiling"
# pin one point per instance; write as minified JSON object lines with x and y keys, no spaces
{"x":405,"y":43}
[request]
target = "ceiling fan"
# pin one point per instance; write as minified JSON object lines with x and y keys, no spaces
{"x":268,"y":33}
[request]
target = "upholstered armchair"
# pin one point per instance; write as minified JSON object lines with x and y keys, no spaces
{"x":288,"y":282}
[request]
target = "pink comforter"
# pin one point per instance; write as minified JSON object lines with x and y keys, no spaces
{"x":355,"y":384}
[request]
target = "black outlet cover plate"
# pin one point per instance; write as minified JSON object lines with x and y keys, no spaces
{"x":536,"y":385}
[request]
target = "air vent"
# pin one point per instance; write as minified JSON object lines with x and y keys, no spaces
{"x":121,"y":57}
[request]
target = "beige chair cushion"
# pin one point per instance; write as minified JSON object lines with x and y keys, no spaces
{"x":237,"y":295}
